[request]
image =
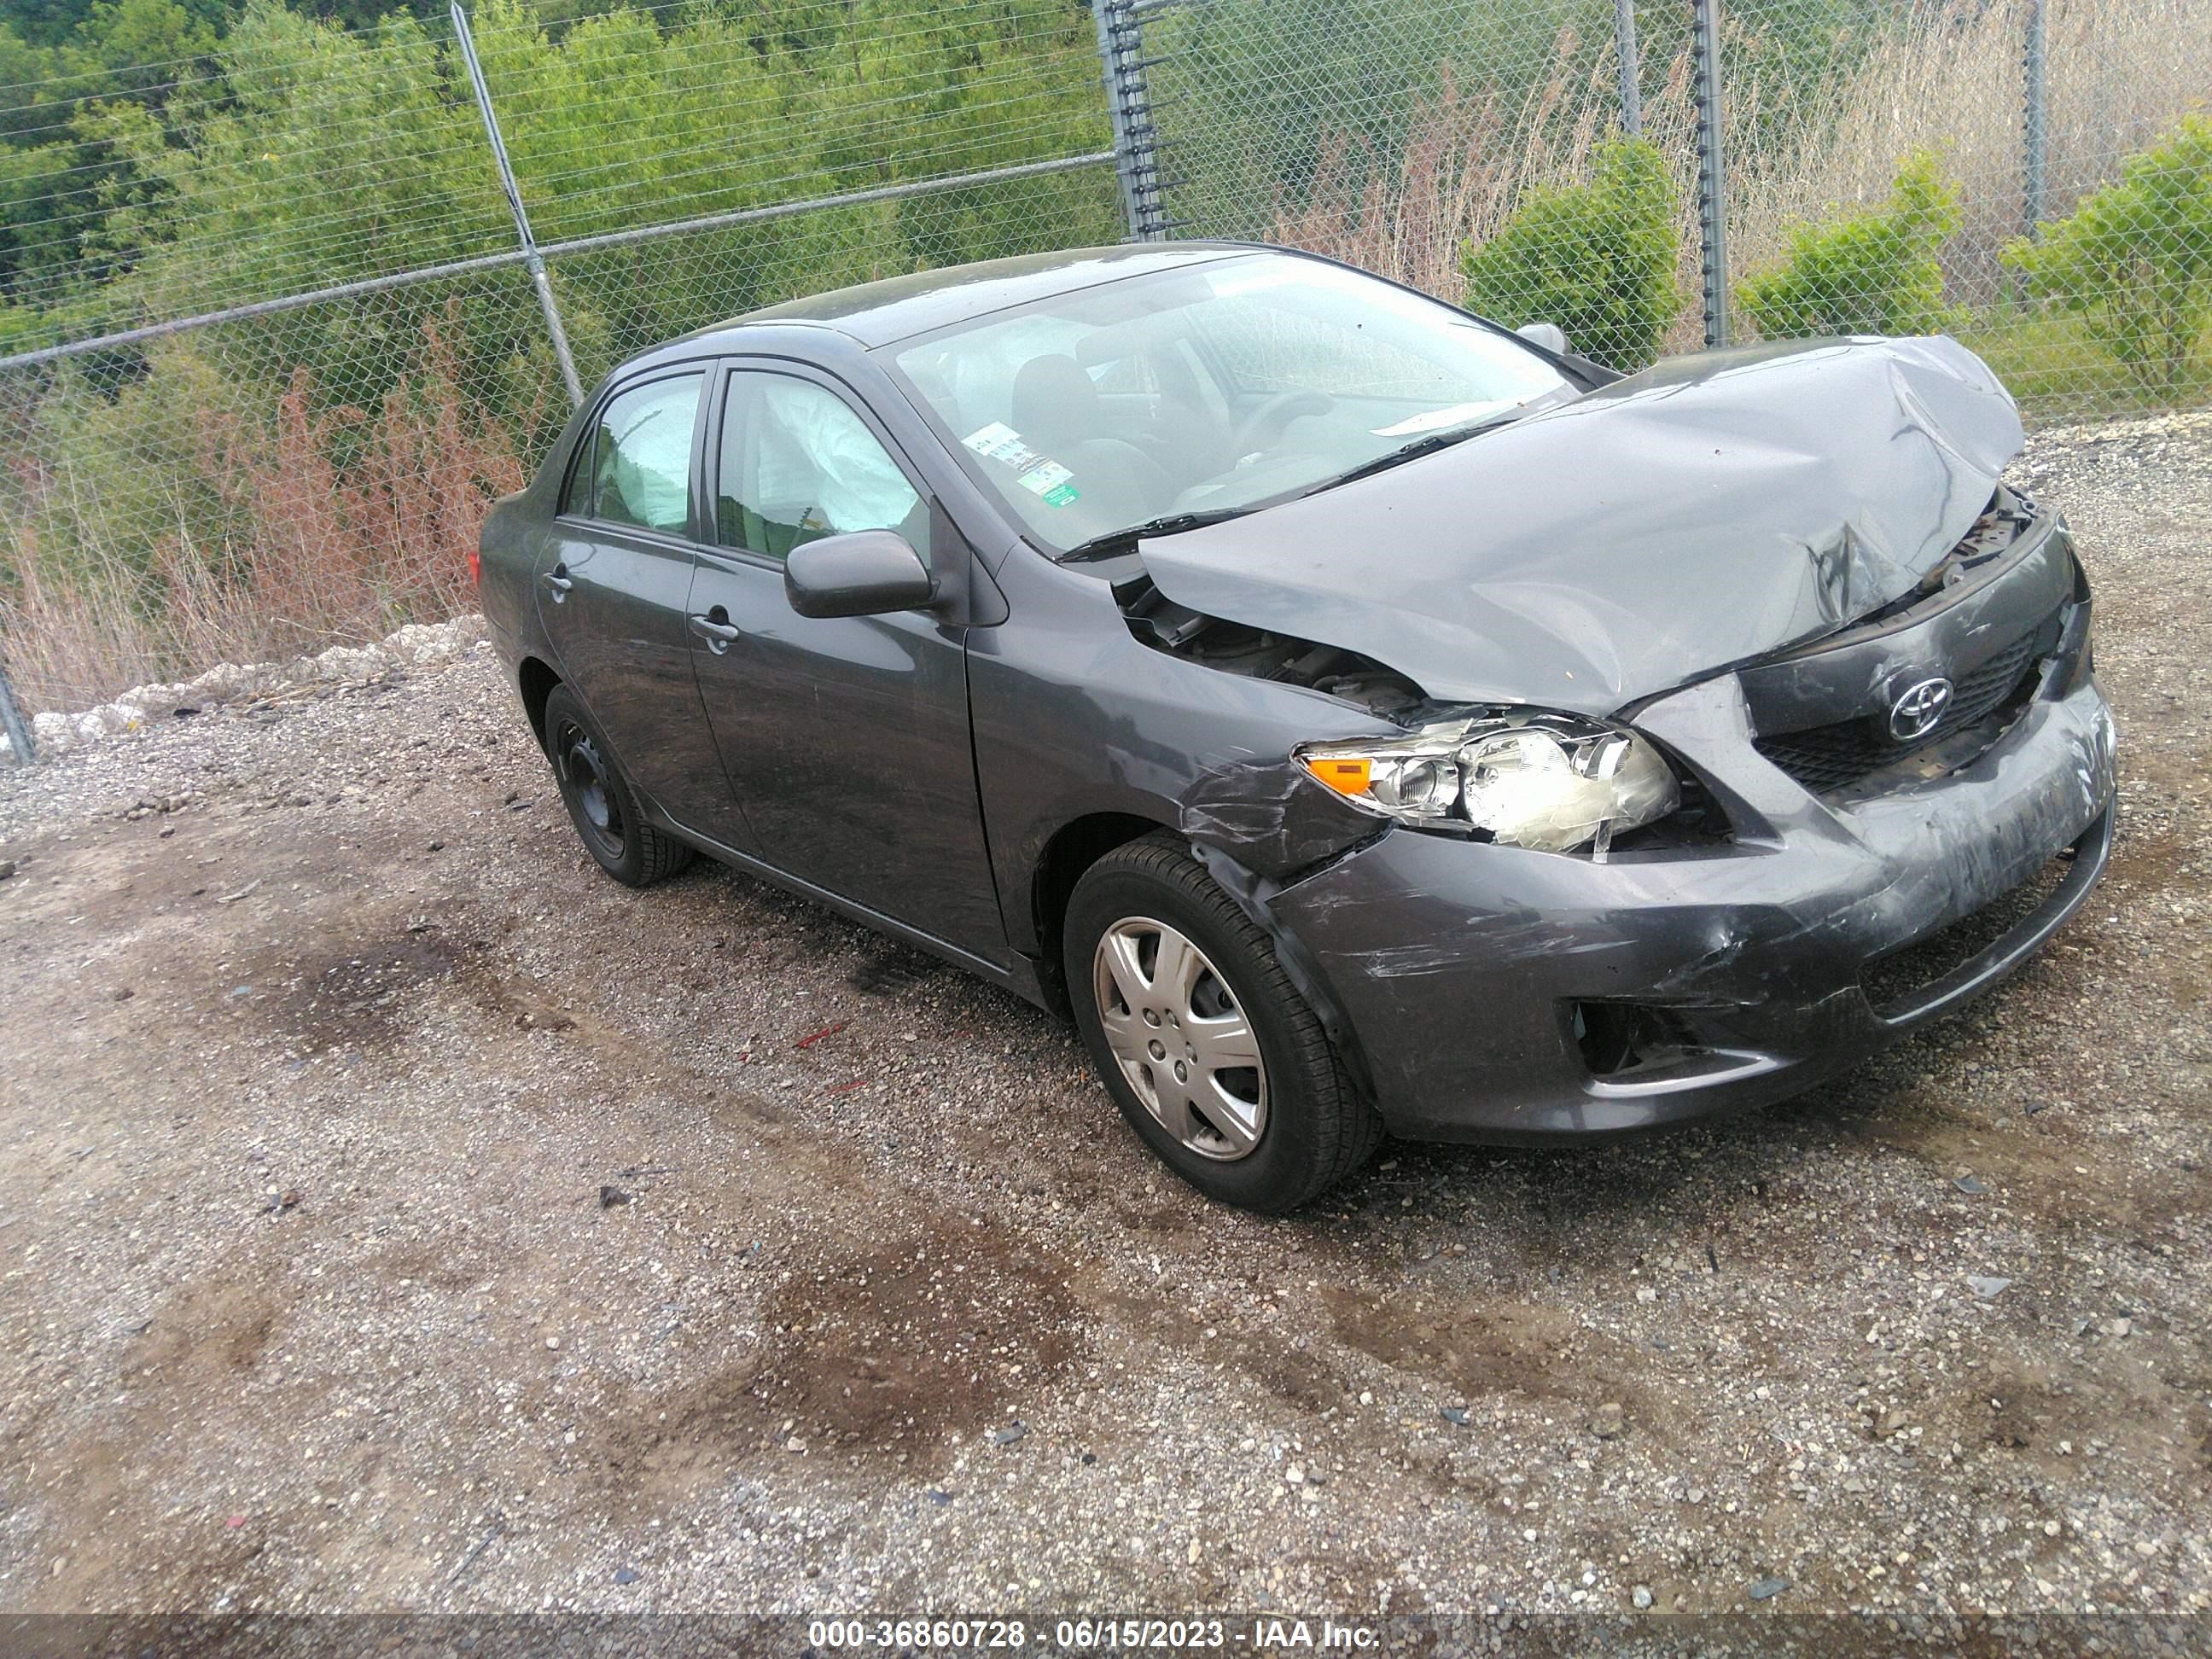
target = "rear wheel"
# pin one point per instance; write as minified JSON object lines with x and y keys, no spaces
{"x":600,"y":802}
{"x":1198,"y":1033}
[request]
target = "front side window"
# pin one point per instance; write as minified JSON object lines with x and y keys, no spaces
{"x":798,"y":464}
{"x":642,"y":456}
{"x":1209,"y":389}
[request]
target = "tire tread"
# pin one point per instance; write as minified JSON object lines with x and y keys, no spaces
{"x":662,"y":855}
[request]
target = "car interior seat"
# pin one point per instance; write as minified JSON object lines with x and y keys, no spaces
{"x":1056,"y":411}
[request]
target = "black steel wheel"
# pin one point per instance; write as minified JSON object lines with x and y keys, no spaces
{"x":601,"y":803}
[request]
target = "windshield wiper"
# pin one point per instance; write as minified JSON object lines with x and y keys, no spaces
{"x":1427,"y":444}
{"x":1169,"y":524}
{"x":1121,"y":541}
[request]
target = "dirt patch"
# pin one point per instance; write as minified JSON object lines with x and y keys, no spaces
{"x":209,"y":1333}
{"x":892,"y":969}
{"x":1480,"y":1352}
{"x":916,"y":1337}
{"x":357,"y":998}
{"x":907,"y":1345}
{"x":1294,"y":1375}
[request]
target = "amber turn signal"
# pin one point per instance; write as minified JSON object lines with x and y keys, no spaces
{"x":1347,"y":774}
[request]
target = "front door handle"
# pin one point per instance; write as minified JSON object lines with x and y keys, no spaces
{"x":557,"y":580}
{"x":717,"y":634}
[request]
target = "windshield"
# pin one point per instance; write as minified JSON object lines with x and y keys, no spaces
{"x":1208,"y":390}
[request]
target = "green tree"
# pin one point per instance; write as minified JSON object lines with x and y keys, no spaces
{"x":27,"y":92}
{"x":2136,"y":258}
{"x":46,"y":23}
{"x":1598,"y":258}
{"x":35,"y":244}
{"x":141,"y":44}
{"x":297,"y":154}
{"x":1872,"y":273}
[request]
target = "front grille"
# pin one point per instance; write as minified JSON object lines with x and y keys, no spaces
{"x":1826,"y":758}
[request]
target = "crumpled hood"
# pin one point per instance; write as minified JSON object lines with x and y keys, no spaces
{"x":1711,"y":510}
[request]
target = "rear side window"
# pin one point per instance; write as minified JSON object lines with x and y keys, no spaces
{"x":640,"y":465}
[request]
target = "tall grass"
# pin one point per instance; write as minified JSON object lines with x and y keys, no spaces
{"x":1810,"y":135}
{"x":332,"y":523}
{"x":1471,"y":157}
{"x":1946,"y":76}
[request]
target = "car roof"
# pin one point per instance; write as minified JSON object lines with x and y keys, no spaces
{"x":897,"y":307}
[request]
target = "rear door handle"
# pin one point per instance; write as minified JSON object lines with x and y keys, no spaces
{"x":719,"y":636}
{"x":558,"y":582}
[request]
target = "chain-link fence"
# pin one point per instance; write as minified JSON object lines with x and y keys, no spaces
{"x":2034,"y":176}
{"x":281,"y":323}
{"x":1397,"y":133}
{"x":280,"y":318}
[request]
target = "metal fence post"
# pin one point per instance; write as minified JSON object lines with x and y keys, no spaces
{"x":531,"y":260}
{"x":12,"y":722}
{"x":1712,"y":171}
{"x":2035,"y":162}
{"x":1129,"y":109}
{"x":1632,"y":67}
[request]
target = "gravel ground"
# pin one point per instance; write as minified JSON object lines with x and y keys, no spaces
{"x":400,"y":1215}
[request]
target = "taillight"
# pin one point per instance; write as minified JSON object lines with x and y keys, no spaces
{"x":475,"y":567}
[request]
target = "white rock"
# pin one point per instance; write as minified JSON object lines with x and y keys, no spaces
{"x":220,"y":683}
{"x":346,"y":662}
{"x":426,"y":642}
{"x":422,"y":642}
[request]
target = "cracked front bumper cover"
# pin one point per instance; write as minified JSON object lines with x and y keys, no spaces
{"x":1460,"y":966}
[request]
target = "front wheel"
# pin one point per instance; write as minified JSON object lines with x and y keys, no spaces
{"x":1204,"y":1044}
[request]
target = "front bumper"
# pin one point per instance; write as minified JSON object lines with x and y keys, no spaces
{"x":1459,"y":969}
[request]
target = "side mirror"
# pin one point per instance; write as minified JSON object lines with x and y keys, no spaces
{"x":866,"y":573}
{"x":1550,"y":336}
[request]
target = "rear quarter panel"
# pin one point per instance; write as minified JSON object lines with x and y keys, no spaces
{"x":504,"y":577}
{"x":508,"y":546}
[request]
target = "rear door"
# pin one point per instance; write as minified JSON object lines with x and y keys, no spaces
{"x":612,"y":580}
{"x":845,"y":739}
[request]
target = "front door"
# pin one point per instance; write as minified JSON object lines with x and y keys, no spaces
{"x":612,"y":578}
{"x":845,"y":739}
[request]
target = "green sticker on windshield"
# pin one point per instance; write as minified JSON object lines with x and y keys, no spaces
{"x":1061,"y":496}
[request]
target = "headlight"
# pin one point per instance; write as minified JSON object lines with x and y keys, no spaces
{"x":1553,"y":782}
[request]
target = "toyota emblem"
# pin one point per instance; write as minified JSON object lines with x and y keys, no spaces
{"x":1919,"y":710}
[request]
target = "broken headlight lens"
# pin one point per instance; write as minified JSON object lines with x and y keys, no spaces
{"x":1556,"y":783}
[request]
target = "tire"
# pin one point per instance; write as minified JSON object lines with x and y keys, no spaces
{"x":1267,"y":1137}
{"x":601,"y":803}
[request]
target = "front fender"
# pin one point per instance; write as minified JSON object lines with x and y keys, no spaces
{"x":1072,"y":716}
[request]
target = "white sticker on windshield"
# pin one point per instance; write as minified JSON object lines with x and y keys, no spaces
{"x":1043,"y":476}
{"x":1047,"y":480}
{"x":1003,"y":444}
{"x":1429,"y":420}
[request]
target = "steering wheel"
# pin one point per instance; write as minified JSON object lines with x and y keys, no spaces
{"x":1266,"y":423}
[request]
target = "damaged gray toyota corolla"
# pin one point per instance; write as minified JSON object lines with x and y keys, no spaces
{"x":1362,"y":716}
